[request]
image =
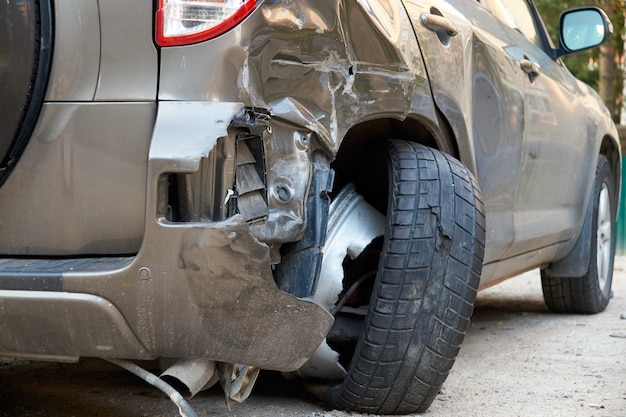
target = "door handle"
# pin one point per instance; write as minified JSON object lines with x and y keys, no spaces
{"x":529,"y":67}
{"x":436,"y":22}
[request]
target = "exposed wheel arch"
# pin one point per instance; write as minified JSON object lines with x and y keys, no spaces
{"x":361,"y":159}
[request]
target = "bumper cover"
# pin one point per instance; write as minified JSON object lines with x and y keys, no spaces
{"x":195,"y":289}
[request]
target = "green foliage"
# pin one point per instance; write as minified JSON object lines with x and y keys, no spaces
{"x":584,"y":66}
{"x":582,"y":63}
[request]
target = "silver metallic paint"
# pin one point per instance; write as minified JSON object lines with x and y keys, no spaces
{"x":56,"y":327}
{"x":498,"y":114}
{"x":211,"y":292}
{"x":324,"y":67}
{"x":128,"y":61}
{"x":76,"y":51}
{"x":80,"y":186}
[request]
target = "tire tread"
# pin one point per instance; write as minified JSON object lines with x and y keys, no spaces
{"x":426,"y":285}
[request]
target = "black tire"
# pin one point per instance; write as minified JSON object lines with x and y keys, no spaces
{"x":25,"y":60}
{"x":591,"y":292}
{"x":425,"y":287}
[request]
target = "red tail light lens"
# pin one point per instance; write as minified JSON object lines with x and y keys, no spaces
{"x":183,"y":22}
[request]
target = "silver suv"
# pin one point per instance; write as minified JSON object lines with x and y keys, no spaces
{"x":236,"y":185}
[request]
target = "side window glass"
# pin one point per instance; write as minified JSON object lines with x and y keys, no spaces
{"x":517,"y":15}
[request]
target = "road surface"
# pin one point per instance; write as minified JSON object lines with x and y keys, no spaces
{"x":518,"y":359}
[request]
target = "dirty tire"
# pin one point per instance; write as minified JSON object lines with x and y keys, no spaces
{"x":591,"y":292}
{"x":425,"y":287}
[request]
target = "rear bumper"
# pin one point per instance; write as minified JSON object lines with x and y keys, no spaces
{"x":199,"y":287}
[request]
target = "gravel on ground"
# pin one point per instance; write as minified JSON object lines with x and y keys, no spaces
{"x":518,"y":359}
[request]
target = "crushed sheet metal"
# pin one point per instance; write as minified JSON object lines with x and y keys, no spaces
{"x":318,"y":66}
{"x":377,"y":68}
{"x":324,"y":364}
{"x":242,"y":302}
{"x":204,"y":122}
{"x":237,"y":381}
{"x":213,"y":278}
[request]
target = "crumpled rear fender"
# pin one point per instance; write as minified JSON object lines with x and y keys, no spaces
{"x":321,"y":66}
{"x":320,"y":70}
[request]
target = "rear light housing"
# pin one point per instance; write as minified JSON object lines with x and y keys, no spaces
{"x":185,"y":22}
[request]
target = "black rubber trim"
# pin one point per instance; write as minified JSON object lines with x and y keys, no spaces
{"x":31,"y":283}
{"x":47,"y":274}
{"x":31,"y":115}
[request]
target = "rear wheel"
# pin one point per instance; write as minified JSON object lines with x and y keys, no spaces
{"x":425,"y":286}
{"x":25,"y":56}
{"x":591,"y":292}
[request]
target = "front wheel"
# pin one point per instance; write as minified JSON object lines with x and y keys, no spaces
{"x":591,"y":292}
{"x":425,"y":286}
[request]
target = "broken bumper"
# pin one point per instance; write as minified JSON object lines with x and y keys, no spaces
{"x":200,"y":285}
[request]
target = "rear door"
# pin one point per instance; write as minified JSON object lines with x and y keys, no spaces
{"x":518,"y":112}
{"x":479,"y":88}
{"x":553,"y":181}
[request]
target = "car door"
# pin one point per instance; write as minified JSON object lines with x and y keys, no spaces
{"x":479,"y":88}
{"x":552,"y":183}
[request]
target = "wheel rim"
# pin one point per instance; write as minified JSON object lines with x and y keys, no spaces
{"x":352,"y":225}
{"x":604,"y":236}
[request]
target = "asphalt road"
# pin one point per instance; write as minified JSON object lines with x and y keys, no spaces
{"x":518,"y":359}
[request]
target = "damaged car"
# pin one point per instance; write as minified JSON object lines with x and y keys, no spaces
{"x":315,"y":188}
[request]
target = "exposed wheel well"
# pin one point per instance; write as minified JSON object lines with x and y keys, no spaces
{"x":362,"y":157}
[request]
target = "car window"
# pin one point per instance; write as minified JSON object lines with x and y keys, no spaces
{"x":517,"y":15}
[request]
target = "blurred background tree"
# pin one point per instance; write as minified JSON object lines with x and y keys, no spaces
{"x":602,"y":68}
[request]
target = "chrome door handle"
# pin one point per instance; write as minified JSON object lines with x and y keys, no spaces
{"x":435,"y":22}
{"x":529,"y":67}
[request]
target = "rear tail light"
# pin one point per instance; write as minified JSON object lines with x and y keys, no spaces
{"x":183,"y":22}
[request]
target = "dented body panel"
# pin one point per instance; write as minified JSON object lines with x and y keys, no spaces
{"x":323,"y":67}
{"x":498,"y":112}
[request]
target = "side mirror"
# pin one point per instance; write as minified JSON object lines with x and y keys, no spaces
{"x":583,"y":28}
